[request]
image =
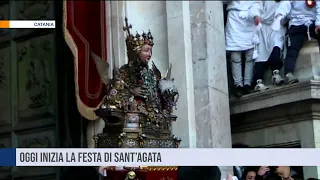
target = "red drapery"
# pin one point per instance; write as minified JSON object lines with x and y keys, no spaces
{"x":85,"y":31}
{"x":143,"y":175}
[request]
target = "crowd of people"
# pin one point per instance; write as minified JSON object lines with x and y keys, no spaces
{"x":266,"y":32}
{"x":269,"y":173}
{"x":241,"y":173}
{"x":204,"y":173}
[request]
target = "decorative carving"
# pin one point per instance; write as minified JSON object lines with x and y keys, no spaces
{"x":34,"y":58}
{"x":43,"y":142}
{"x":33,"y":10}
{"x":131,"y":175}
{"x":159,"y":168}
{"x":34,"y":140}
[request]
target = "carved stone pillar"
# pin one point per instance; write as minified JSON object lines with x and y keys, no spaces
{"x":180,"y":55}
{"x":151,"y":15}
{"x":117,"y":47}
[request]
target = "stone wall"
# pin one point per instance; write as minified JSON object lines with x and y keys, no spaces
{"x":284,"y":117}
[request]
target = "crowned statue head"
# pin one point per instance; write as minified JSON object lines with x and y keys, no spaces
{"x":139,"y":46}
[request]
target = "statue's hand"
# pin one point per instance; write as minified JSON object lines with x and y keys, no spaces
{"x":140,"y":92}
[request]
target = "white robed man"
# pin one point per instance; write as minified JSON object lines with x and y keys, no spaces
{"x":270,"y":48}
{"x":304,"y":20}
{"x":241,"y":28}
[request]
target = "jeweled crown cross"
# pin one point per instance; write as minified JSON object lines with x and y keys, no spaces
{"x":128,"y":26}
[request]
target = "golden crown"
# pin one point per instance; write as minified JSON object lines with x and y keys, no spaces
{"x":135,"y":43}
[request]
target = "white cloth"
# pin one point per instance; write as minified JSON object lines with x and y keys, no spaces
{"x":256,"y":41}
{"x":268,"y":37}
{"x":244,"y":14}
{"x":258,"y":27}
{"x":240,"y":27}
{"x":255,"y":52}
{"x":276,"y":25}
{"x":268,"y":40}
{"x":255,"y":38}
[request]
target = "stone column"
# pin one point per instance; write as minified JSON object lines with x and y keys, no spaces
{"x":117,"y":47}
{"x":196,"y":43}
{"x":180,"y":55}
{"x":151,"y":15}
{"x":210,"y":75}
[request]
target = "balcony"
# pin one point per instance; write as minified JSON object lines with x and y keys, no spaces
{"x":308,"y":72}
{"x":283,"y":115}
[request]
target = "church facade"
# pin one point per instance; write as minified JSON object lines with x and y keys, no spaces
{"x":187,"y":34}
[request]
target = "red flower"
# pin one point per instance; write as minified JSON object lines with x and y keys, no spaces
{"x":310,"y":3}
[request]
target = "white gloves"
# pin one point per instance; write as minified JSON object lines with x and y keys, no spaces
{"x":244,"y":14}
{"x":276,"y":25}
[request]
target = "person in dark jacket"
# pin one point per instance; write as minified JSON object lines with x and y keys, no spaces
{"x":199,"y":173}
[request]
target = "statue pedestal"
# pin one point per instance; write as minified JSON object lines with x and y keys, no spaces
{"x":154,"y":174}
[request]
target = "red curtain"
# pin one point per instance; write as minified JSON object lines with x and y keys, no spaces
{"x":162,"y":175}
{"x":143,"y":175}
{"x":85,"y":31}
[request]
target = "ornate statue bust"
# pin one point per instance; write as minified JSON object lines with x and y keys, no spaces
{"x":139,"y":101}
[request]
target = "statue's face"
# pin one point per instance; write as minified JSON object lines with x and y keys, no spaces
{"x":145,"y":53}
